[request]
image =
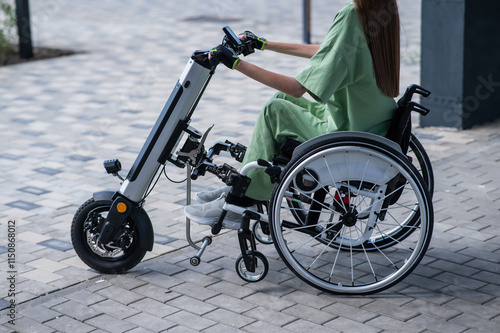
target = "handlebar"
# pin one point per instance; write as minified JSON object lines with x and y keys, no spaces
{"x":230,"y":41}
{"x":234,"y":43}
{"x":232,"y":38}
{"x":410,"y":91}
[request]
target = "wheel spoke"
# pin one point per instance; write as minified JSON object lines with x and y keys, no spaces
{"x":335,"y":184}
{"x":367,"y":257}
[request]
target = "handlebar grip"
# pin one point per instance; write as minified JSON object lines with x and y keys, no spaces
{"x":416,"y":89}
{"x":412,"y":106}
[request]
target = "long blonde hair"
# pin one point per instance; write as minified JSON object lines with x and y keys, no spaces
{"x":380,"y":20}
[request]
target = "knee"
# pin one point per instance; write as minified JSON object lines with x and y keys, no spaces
{"x":276,"y":107}
{"x":281,"y":97}
{"x":275,"y":101}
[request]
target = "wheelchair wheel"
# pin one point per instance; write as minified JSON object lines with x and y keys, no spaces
{"x":422,"y":162}
{"x":342,"y":187}
{"x":418,"y":156}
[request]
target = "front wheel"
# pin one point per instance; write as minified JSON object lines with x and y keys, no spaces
{"x":260,"y":267}
{"x":111,"y":258}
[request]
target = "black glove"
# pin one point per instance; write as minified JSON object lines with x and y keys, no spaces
{"x":224,"y":55}
{"x":257,"y":42}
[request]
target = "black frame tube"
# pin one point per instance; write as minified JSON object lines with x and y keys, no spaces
{"x":306,"y":32}
{"x":24,"y":29}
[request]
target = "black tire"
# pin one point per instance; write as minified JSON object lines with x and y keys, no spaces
{"x":261,"y":267}
{"x":108,"y":258}
{"x":334,"y":254}
{"x":422,"y":162}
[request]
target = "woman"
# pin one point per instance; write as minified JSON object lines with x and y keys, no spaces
{"x":353,"y":77}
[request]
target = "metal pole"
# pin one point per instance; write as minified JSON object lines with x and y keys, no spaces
{"x":307,"y":21}
{"x":24,"y":29}
{"x":188,"y":202}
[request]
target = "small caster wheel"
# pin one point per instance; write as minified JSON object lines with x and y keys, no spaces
{"x":260,"y":271}
{"x":195,"y":261}
{"x":261,"y":232}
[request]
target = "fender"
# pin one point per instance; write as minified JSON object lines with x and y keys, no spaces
{"x":145,"y":227}
{"x":143,"y":222}
{"x":103,"y":196}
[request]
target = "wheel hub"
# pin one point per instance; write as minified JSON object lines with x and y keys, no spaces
{"x":350,"y":218}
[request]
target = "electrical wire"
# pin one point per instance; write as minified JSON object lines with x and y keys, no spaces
{"x":173,"y":181}
{"x":163,"y":171}
{"x":154,"y":184}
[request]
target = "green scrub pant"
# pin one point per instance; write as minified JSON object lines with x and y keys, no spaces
{"x":283,"y":116}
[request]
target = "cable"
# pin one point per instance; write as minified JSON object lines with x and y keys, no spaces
{"x":154,"y":184}
{"x":164,"y":171}
{"x":173,"y":181}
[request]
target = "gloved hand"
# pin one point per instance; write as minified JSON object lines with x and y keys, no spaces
{"x":257,"y":42}
{"x":224,"y":55}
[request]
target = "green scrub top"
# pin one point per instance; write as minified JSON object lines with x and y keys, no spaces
{"x":340,"y":76}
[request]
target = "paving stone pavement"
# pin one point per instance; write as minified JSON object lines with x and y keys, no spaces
{"x":63,"y":117}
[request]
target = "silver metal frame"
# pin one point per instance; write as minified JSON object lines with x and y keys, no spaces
{"x":179,"y":107}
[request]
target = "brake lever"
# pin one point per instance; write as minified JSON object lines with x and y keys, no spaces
{"x":194,"y":154}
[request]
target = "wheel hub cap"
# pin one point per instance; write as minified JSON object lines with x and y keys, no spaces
{"x":350,"y":218}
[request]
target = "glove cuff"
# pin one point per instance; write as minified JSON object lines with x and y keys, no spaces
{"x":263,"y":41}
{"x":225,"y":56}
{"x":235,"y":62}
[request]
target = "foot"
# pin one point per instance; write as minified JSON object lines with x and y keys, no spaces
{"x":208,"y":213}
{"x":207,"y":196}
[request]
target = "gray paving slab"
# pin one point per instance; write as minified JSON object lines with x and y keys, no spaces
{"x":62,"y":117}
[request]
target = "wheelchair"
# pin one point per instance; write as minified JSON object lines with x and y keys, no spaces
{"x":350,"y":213}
